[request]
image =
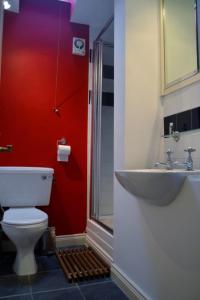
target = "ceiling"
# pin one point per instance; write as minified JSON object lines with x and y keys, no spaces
{"x":94,"y":13}
{"x":108,"y":35}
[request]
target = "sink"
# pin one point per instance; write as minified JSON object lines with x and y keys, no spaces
{"x":157,"y":186}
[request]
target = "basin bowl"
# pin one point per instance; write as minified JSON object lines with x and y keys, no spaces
{"x":157,"y":186}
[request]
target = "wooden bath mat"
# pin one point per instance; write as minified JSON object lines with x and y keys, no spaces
{"x":82,"y":263}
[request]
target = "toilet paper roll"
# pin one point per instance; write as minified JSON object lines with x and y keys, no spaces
{"x":63,"y":152}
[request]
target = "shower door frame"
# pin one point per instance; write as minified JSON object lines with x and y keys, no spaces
{"x":97,"y":130}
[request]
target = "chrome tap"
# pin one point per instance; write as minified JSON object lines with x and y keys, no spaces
{"x":169,"y":163}
{"x":188,"y":164}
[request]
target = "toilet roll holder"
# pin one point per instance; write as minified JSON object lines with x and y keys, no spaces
{"x":62,"y":141}
{"x":63,"y":151}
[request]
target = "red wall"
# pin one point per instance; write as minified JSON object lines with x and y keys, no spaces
{"x":31,"y":81}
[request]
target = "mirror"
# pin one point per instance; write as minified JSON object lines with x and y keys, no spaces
{"x":179,"y":44}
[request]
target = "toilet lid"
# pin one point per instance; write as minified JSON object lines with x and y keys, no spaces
{"x":24,"y":216}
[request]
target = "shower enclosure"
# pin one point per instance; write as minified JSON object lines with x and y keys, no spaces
{"x":103,"y":128}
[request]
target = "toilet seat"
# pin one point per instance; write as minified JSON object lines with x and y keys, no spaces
{"x":24,"y":216}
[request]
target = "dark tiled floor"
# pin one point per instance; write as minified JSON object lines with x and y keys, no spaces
{"x":50,"y":283}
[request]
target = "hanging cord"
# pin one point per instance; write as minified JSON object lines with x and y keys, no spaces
{"x":55,"y":109}
{"x":57,"y":106}
{"x":1,"y":213}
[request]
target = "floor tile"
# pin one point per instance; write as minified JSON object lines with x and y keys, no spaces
{"x":13,"y":285}
{"x":46,"y":263}
{"x":48,"y":281}
{"x":105,"y":291}
{"x":6,"y":264}
{"x":69,"y":294}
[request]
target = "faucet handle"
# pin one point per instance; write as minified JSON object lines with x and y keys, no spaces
{"x":190,"y":150}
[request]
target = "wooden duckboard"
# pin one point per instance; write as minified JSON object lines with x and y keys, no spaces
{"x":82,"y":263}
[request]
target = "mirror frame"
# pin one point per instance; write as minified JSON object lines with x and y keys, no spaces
{"x":185,"y":80}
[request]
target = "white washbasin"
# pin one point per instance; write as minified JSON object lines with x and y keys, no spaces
{"x":157,"y":186}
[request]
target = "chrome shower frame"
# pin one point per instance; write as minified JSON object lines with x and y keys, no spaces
{"x":97,"y":58}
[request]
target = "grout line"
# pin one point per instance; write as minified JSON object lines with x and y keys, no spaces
{"x":82,"y":295}
{"x":96,"y":283}
{"x":30,"y":285}
{"x":54,"y":290}
{"x":46,"y":271}
{"x":8,"y":275}
{"x":14,"y":295}
{"x":39,"y":272}
{"x":31,"y":296}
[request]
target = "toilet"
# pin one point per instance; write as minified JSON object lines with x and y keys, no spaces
{"x":22,"y":189}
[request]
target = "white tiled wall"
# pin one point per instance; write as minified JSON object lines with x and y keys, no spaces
{"x":184,"y":99}
{"x":107,"y":142}
{"x":108,"y":85}
{"x":108,"y":58}
{"x":107,"y":164}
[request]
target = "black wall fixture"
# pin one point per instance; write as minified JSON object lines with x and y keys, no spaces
{"x":108,"y":72}
{"x":108,"y":97}
{"x":183,"y":121}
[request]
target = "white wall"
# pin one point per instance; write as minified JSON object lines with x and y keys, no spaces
{"x":156,"y":248}
{"x":143,"y":126}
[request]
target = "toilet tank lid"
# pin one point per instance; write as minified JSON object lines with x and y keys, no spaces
{"x":24,"y":216}
{"x":26,"y":170}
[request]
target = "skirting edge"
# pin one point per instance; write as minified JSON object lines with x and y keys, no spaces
{"x":131,"y":290}
{"x":70,"y":240}
{"x":99,"y":250}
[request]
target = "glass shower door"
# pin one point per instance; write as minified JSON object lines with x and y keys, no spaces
{"x":96,"y":128}
{"x":103,"y":134}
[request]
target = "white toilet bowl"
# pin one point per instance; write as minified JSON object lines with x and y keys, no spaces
{"x":24,"y":227}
